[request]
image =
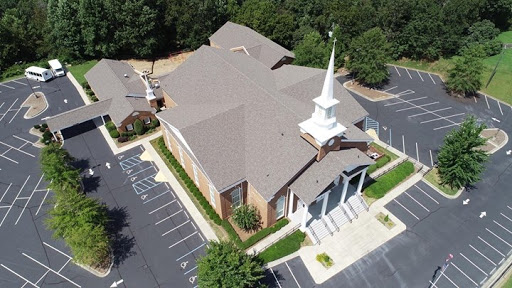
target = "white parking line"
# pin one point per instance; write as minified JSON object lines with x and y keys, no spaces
{"x":162,"y":207}
{"x":55,"y":272}
{"x":278,"y":284}
{"x":2,"y":155}
{"x":168,"y":217}
{"x":400,"y":102}
{"x":417,"y":106}
{"x":190,"y":252}
{"x":6,"y":190}
{"x":420,"y":76}
{"x":501,"y":111}
{"x":24,"y":84}
{"x":403,"y":144}
{"x":509,"y":207}
{"x":7,"y":86}
{"x":408,"y":73}
{"x":417,"y":153}
{"x":406,"y":209}
{"x":190,"y":270}
{"x":57,"y":250}
{"x":502,"y":227}
{"x":397,"y":71}
{"x":487,"y":101}
{"x":30,"y":197}
{"x":131,"y":175}
{"x":500,"y":213}
{"x":390,"y":89}
{"x":498,"y":237}
{"x":12,"y":204}
{"x":22,"y":139}
{"x":473,"y":264}
{"x":175,"y":228}
{"x":3,"y":115}
{"x":436,"y":119}
{"x":183,"y":239}
{"x":17,"y":111}
{"x":416,"y":201}
{"x":482,"y":255}
{"x":451,"y":281}
{"x":17,"y":149}
{"x":453,"y":264}
{"x":44,"y":198}
{"x":442,"y":127}
{"x":405,"y":92}
{"x":503,"y":255}
{"x":2,"y":104}
{"x":431,"y":78}
{"x":292,"y":274}
{"x":23,"y":278}
{"x":442,"y":109}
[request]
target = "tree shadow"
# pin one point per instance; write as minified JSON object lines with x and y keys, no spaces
{"x":122,"y":244}
{"x":91,"y":184}
{"x":80,"y":164}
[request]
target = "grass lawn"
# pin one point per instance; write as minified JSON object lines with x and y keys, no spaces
{"x":508,"y":284}
{"x":433,"y":178}
{"x":388,"y":181}
{"x":79,"y":70}
{"x":283,"y":247}
{"x":500,"y":85}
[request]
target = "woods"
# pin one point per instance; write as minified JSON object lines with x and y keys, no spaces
{"x":87,"y":29}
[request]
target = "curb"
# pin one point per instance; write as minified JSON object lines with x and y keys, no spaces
{"x":498,"y":147}
{"x":391,"y":96}
{"x":95,"y":272}
{"x":79,"y":88}
{"x":40,"y":112}
{"x":442,"y":193}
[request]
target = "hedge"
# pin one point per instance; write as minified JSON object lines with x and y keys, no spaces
{"x":378,"y":164}
{"x":389,"y":180}
{"x":114,"y":133}
{"x":189,"y":183}
{"x":110,"y":126}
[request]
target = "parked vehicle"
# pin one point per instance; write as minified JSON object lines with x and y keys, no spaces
{"x":38,"y":73}
{"x":56,"y":68}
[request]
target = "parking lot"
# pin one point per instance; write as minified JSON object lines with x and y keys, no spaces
{"x":416,"y":119}
{"x":159,"y":243}
{"x":289,"y":274}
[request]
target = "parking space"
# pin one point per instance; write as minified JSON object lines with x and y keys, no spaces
{"x":479,"y":259}
{"x":289,"y":274}
{"x":416,"y":203}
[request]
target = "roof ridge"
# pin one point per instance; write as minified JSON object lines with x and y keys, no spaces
{"x":108,"y":65}
{"x":80,"y":107}
{"x":322,"y":71}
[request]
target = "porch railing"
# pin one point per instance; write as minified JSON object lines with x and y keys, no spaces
{"x":363,"y":202}
{"x":345,"y":212}
{"x":326,"y":225}
{"x":333,"y":222}
{"x":314,"y":234}
{"x":352,"y":209}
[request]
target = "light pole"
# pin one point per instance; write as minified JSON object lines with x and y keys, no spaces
{"x":445,"y":265}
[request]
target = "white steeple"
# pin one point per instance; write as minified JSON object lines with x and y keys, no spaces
{"x":323,"y":125}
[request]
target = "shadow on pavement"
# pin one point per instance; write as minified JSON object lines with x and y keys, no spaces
{"x":121,"y":244}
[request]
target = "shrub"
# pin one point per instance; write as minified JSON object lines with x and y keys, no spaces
{"x":155,"y":123}
{"x":42,"y":129}
{"x":324,"y":259}
{"x":128,"y":134}
{"x":86,"y":85}
{"x":47,"y":135}
{"x":138,"y":126}
{"x":379,"y":164}
{"x":110,"y":126}
{"x":246,"y":217}
{"x":123,"y":139}
{"x":114,"y":133}
{"x":44,"y":125}
{"x":37,"y":126}
{"x":389,"y":180}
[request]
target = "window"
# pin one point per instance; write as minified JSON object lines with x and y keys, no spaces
{"x":147,"y":120}
{"x":129,"y":127}
{"x":196,"y":176}
{"x":280,"y":207}
{"x":182,"y":160}
{"x":212,"y":195}
{"x":236,"y":197}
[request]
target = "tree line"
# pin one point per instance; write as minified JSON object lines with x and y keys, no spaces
{"x":82,"y":29}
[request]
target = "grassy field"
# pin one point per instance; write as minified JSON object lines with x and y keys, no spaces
{"x":500,"y":86}
{"x":433,"y":178}
{"x":79,"y":70}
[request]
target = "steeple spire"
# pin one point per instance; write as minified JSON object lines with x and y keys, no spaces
{"x":323,"y":125}
{"x":327,"y":90}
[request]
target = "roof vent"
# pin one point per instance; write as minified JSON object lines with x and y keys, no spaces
{"x":125,"y":75}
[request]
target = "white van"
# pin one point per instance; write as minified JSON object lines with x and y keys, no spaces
{"x":38,"y":73}
{"x":56,"y":68}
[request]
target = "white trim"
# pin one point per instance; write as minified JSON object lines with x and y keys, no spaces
{"x":182,"y":159}
{"x":168,"y":139}
{"x":240,"y":201}
{"x":356,"y":140}
{"x":196,"y":175}
{"x":231,"y":186}
{"x":212,"y":195}
{"x":283,"y":197}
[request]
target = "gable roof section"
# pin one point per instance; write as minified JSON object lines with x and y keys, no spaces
{"x":320,"y":174}
{"x":232,"y":35}
{"x":78,"y":115}
{"x":107,"y":80}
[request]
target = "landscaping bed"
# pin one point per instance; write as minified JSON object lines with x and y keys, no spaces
{"x":388,"y":181}
{"x":367,"y":92}
{"x":433,"y":178}
{"x":384,"y":219}
{"x":283,"y":247}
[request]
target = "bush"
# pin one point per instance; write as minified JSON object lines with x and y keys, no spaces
{"x":86,"y":85}
{"x":42,"y":129}
{"x":246,"y":217}
{"x":155,"y":123}
{"x":389,"y":180}
{"x":378,"y":164}
{"x":47,"y":135}
{"x":44,"y":125}
{"x":138,"y":126}
{"x":110,"y":126}
{"x":37,"y":126}
{"x":128,"y":134}
{"x":324,"y":259}
{"x":114,"y":134}
{"x":283,"y":247}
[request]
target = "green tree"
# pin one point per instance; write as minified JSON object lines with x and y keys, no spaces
{"x":484,"y":33}
{"x":56,"y":165}
{"x":341,"y":46}
{"x":465,"y":78}
{"x":460,"y":159}
{"x":227,"y":266}
{"x":312,"y":51}
{"x":368,"y":55}
{"x":138,"y":127}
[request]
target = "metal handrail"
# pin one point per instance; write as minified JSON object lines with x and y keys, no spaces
{"x":352,"y":209}
{"x":365,"y":205}
{"x":345,"y":212}
{"x":333,"y":222}
{"x":326,"y":226}
{"x":295,"y":228}
{"x":314,"y":234}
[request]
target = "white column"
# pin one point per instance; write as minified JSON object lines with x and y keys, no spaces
{"x":290,"y":204}
{"x":304,"y":218}
{"x":324,"y":204}
{"x":361,"y":180}
{"x":344,"y":192}
{"x":103,"y":119}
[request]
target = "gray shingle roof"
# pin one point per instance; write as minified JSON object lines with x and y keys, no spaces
{"x":232,"y":35}
{"x":320,"y":174}
{"x":255,"y":135}
{"x":78,"y":115}
{"x":107,"y":79}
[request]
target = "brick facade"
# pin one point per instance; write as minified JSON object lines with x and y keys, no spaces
{"x":131,"y":119}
